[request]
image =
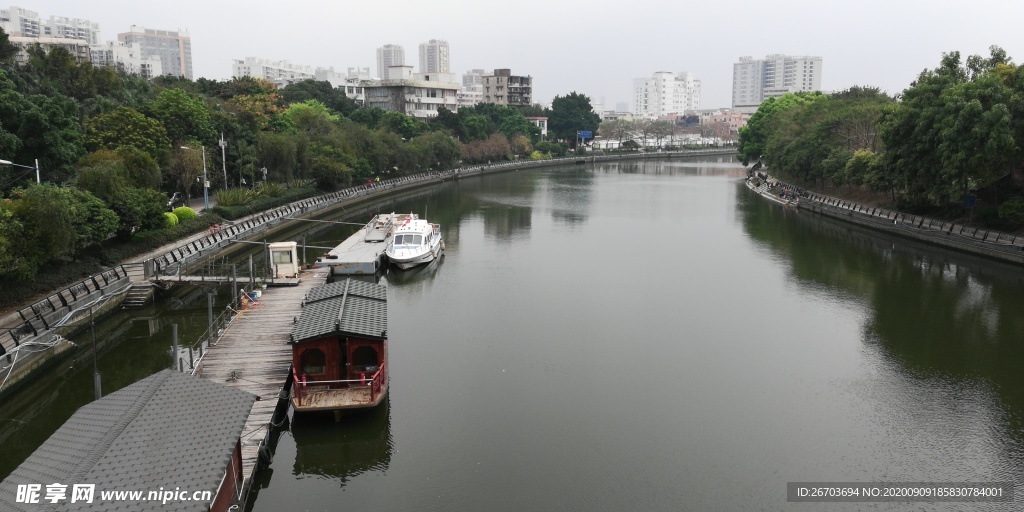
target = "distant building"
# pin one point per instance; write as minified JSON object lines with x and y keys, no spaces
{"x":413,"y":94}
{"x":281,"y":73}
{"x":25,"y":28}
{"x":665,"y":93}
{"x":754,"y":81}
{"x":174,"y":49}
{"x":73,"y":28}
{"x":434,"y":57}
{"x":127,"y":58}
{"x":168,"y":431}
{"x":348,"y":83}
{"x":20,"y":22}
{"x":473,"y":76}
{"x":388,"y":56}
{"x":542,"y":123}
{"x":504,"y":88}
{"x":78,"y":48}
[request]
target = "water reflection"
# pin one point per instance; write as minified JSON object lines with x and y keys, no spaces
{"x":945,"y":325}
{"x":359,"y":444}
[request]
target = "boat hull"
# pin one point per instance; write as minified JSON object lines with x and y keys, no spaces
{"x":407,"y":262}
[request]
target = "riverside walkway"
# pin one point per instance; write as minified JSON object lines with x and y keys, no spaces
{"x":959,"y":236}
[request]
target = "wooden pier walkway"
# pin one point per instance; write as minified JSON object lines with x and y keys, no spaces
{"x":253,"y":355}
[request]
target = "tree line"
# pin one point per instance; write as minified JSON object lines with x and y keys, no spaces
{"x":112,"y":146}
{"x":956,"y":132}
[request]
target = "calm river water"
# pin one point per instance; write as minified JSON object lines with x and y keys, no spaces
{"x":653,"y":336}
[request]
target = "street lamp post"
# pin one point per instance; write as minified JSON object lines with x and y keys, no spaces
{"x":223,"y":159}
{"x":206,"y":181}
{"x":8,"y":162}
{"x":96,"y":382}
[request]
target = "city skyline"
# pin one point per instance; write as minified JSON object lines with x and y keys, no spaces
{"x":871,"y":43}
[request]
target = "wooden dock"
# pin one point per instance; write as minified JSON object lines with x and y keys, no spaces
{"x":253,"y":354}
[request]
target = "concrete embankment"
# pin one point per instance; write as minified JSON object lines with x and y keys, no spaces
{"x":992,"y":244}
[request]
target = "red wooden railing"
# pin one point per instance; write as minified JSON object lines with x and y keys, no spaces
{"x":375,"y":383}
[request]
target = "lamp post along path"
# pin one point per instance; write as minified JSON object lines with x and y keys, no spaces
{"x":8,"y":162}
{"x":223,"y":159}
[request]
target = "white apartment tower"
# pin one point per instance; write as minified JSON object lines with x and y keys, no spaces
{"x":665,"y":93}
{"x":434,"y":56}
{"x":174,"y":49}
{"x":20,"y":22}
{"x":754,"y":81}
{"x":387,"y":56}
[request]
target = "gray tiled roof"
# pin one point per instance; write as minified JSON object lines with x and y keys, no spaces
{"x":337,"y":289}
{"x":348,"y":307}
{"x":168,"y":430}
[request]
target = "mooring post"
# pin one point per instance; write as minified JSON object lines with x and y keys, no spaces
{"x":252,"y":276}
{"x":174,"y":340}
{"x":209,"y":314}
{"x":234,"y":286}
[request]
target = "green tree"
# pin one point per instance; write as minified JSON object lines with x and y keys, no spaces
{"x":127,"y":127}
{"x":183,"y":116}
{"x":7,"y":50}
{"x":311,"y":117}
{"x":571,"y":114}
{"x":322,"y":92}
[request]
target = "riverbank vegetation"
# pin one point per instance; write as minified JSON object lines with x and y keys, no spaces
{"x":954,"y":137}
{"x":111,"y":147}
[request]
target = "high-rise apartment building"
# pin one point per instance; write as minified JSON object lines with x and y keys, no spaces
{"x":73,"y":28}
{"x":25,"y":28}
{"x":173,"y":48}
{"x":754,"y":81}
{"x":434,"y":56}
{"x":127,"y":58}
{"x":388,"y":56}
{"x":665,"y":93}
{"x":504,"y":88}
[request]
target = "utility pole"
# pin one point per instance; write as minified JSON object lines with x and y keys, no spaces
{"x":223,"y":158}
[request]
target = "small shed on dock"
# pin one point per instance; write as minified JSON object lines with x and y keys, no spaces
{"x":171,"y":436}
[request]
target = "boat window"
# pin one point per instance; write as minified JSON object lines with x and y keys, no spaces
{"x":417,"y":239}
{"x":364,"y":356}
{"x":314,"y":362}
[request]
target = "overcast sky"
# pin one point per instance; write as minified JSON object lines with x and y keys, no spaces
{"x":596,"y":47}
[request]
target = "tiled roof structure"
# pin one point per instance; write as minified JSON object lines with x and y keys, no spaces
{"x":348,"y":307}
{"x":169,"y":430}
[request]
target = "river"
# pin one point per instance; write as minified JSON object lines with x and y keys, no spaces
{"x":653,"y":336}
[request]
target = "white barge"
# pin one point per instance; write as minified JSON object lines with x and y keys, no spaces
{"x":363,"y":252}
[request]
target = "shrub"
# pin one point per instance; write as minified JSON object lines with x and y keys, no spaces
{"x":184,"y":213}
{"x":234,"y":197}
{"x":172,"y":219}
{"x":267,"y":189}
{"x":1012,"y":210}
{"x":262,"y":203}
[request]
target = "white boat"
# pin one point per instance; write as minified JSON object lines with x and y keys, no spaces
{"x":415,"y":242}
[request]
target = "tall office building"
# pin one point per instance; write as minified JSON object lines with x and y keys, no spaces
{"x":387,"y":56}
{"x":434,"y":56}
{"x":173,"y":48}
{"x":754,"y":81}
{"x":664,"y":93}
